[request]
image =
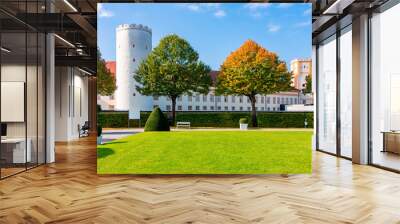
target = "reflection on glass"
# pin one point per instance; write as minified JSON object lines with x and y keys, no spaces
{"x":385,"y":89}
{"x":346,"y":93}
{"x":327,"y":95}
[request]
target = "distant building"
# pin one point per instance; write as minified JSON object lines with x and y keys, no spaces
{"x":134,"y":44}
{"x":301,"y":68}
{"x":212,"y":102}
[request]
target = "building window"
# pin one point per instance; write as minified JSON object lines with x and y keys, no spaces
{"x":257,"y":108}
{"x":279,"y":100}
{"x":248,"y":100}
{"x":240,"y":108}
{"x":233,"y":108}
{"x":133,"y":59}
{"x":133,"y":45}
{"x":295,"y":101}
{"x":274,"y":100}
{"x":219,"y":108}
{"x":190,"y":98}
{"x":240,"y":99}
{"x":233,"y":99}
{"x":262,"y":99}
{"x":291,"y":100}
{"x":204,"y":98}
{"x":179,"y":107}
{"x":168,"y":107}
{"x":179,"y":98}
{"x":268,"y":108}
{"x":248,"y":108}
{"x":218,"y":98}
{"x":155,"y":105}
{"x":226,"y":108}
{"x":189,"y":107}
{"x":262,"y":108}
{"x":287,"y":100}
{"x":212,"y":98}
{"x":225,"y":99}
{"x":197,"y":97}
{"x":268,"y":100}
{"x":197,"y":107}
{"x":273,"y":108}
{"x":204,"y":107}
{"x":211,"y":107}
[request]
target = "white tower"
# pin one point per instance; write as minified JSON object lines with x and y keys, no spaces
{"x":133,"y":46}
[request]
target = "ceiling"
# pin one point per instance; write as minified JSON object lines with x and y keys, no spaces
{"x":75,"y":22}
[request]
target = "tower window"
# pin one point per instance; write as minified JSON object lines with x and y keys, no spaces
{"x":134,"y":59}
{"x":133,"y":45}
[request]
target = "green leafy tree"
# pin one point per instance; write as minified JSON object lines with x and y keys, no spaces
{"x":105,"y":81}
{"x":308,"y":87}
{"x":252,"y":70}
{"x":173,"y":69}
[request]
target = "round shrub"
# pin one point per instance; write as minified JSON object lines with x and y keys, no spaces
{"x":243,"y":120}
{"x":157,"y":121}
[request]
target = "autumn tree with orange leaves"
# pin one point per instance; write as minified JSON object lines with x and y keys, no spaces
{"x":252,"y":70}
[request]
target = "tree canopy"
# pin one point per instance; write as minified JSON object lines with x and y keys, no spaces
{"x":308,"y":87}
{"x":106,"y":85}
{"x":173,"y":69}
{"x":252,"y":70}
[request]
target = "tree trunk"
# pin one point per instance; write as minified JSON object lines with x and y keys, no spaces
{"x":173,"y":99}
{"x":253,"y":110}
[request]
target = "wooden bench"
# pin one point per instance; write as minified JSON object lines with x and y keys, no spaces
{"x":182,"y":124}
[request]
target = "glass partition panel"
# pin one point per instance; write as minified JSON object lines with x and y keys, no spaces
{"x":41,"y":99}
{"x":346,"y":92}
{"x":327,"y":95}
{"x":14,"y":153}
{"x":31,"y":98}
{"x":385,"y":89}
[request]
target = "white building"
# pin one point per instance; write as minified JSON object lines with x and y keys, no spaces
{"x":133,"y":44}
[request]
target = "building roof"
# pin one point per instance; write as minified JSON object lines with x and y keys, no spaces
{"x":111,"y":65}
{"x":214,"y":75}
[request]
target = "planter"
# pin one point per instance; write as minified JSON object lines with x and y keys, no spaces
{"x":99,"y":139}
{"x":243,"y":126}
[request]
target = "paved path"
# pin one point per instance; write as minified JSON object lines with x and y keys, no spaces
{"x":110,"y":134}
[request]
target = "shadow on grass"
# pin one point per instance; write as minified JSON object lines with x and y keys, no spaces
{"x":104,"y":152}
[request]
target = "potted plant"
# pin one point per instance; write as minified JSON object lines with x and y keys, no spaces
{"x":99,"y":134}
{"x":243,"y":122}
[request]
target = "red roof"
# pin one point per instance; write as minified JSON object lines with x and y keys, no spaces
{"x":111,"y":65}
{"x":214,"y":75}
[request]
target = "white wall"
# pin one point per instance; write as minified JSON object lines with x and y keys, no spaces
{"x":71,"y":102}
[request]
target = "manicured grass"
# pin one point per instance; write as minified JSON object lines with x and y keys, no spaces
{"x":207,"y":152}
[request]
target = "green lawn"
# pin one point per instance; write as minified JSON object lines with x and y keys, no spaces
{"x":207,"y":152}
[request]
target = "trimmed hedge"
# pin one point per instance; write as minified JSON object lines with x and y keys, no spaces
{"x":157,"y":121}
{"x":214,"y":119}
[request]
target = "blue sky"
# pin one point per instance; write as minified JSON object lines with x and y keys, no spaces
{"x":214,"y":30}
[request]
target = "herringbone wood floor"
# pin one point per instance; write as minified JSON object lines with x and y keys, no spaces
{"x":69,"y":191}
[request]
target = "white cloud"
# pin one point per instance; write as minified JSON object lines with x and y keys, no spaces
{"x":303,"y":24}
{"x":214,"y":5}
{"x":220,"y":13}
{"x":307,"y":12}
{"x":102,"y":12}
{"x":284,"y":5}
{"x":193,"y":7}
{"x":273,"y":28}
{"x":256,"y":6}
{"x":214,"y":8}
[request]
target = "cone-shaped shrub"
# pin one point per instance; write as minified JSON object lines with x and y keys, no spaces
{"x":156,"y":121}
